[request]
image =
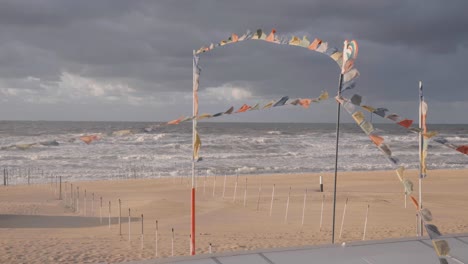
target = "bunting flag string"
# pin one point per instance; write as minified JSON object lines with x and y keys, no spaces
{"x":316,"y":45}
{"x":88,"y":139}
{"x":441,"y":246}
{"x":356,"y":100}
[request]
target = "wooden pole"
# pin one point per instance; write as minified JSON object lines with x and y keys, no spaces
{"x":142,"y":235}
{"x":321,"y":212}
{"x":321,"y":184}
{"x":204,"y":184}
{"x":92,"y":205}
{"x":100,"y":210}
{"x":156,"y":241}
{"x":304,"y":206}
{"x":224,"y":186}
{"x":172,"y":243}
{"x":272,"y":199}
{"x":60,"y":193}
{"x":85,"y":202}
{"x":365,"y":223}
{"x":259,"y":195}
{"x":209,"y":248}
{"x":129,"y":224}
{"x":72,"y":197}
{"x":78,"y":199}
{"x":109,"y":214}
{"x":342,"y":219}
{"x":214,"y":185}
{"x":120,"y":215}
{"x":287,"y":207}
{"x":235,"y":188}
{"x":245,"y":192}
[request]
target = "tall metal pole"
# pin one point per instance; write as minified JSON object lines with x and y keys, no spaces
{"x":336,"y":157}
{"x":421,"y":143}
{"x":194,"y":135}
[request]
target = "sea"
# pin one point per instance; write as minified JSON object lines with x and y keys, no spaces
{"x":227,"y":148}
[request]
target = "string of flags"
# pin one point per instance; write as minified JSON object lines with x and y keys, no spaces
{"x":88,"y":139}
{"x":441,"y":246}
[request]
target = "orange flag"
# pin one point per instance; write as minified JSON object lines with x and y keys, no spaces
{"x":176,"y":121}
{"x":89,"y":139}
{"x":376,"y":139}
{"x":234,"y":38}
{"x":314,"y":45}
{"x":415,"y":202}
{"x":243,"y":108}
{"x":305,"y":102}
{"x":271,"y":36}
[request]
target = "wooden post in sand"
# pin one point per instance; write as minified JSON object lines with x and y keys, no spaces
{"x":100,"y":210}
{"x":109,"y":214}
{"x":209,"y":248}
{"x":142,"y":235}
{"x":235,"y":188}
{"x":321,"y":212}
{"x":365,"y":223}
{"x":245,"y":192}
{"x":214,"y":185}
{"x":78,"y":199}
{"x":92,"y":205}
{"x":406,"y":198}
{"x":85,"y":202}
{"x":129,"y":222}
{"x":224,"y":186}
{"x":72,"y":197}
{"x":321,"y":184}
{"x":4,"y":176}
{"x":287,"y":207}
{"x":272,"y":199}
{"x":60,"y":193}
{"x":120,"y":216}
{"x":172,"y":243}
{"x":304,"y":206}
{"x":204,"y":184}
{"x":342,"y":220}
{"x":259,"y":194}
{"x":156,"y":241}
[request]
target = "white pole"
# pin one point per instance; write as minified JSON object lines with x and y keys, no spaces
{"x":92,"y":205}
{"x":259,"y":195}
{"x":287,"y":207}
{"x":272,"y":199}
{"x":406,"y":198}
{"x":321,"y":212}
{"x":214,"y":185}
{"x":421,"y":143}
{"x":365,"y":223}
{"x":224,"y":186}
{"x":109,"y":214}
{"x":156,"y":241}
{"x":321,"y":184}
{"x":204,"y":184}
{"x":120,"y":215}
{"x":209,"y":249}
{"x":245,"y":192}
{"x":235,"y":188}
{"x":78,"y":200}
{"x":129,"y":224}
{"x":85,"y":202}
{"x":100,"y":211}
{"x":172,"y":244}
{"x":304,"y":206}
{"x":342,"y":220}
{"x":142,"y":235}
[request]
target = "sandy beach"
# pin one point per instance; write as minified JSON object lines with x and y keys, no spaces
{"x":37,"y":227}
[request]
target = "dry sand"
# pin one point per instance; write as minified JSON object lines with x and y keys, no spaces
{"x":36,"y":227}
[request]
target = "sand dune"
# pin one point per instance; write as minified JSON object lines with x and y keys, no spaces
{"x":38,"y":228}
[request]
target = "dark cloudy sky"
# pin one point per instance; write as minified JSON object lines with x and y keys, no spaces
{"x":132,"y":60}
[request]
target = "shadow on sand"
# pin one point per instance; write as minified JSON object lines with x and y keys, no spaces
{"x":51,"y":221}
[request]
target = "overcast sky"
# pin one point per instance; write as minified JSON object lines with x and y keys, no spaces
{"x":132,"y":60}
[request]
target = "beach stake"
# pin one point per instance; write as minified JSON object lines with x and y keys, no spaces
{"x":60,"y":193}
{"x":172,"y":243}
{"x":259,"y":194}
{"x":142,"y":235}
{"x":321,"y":184}
{"x":344,"y":213}
{"x":321,"y":212}
{"x":214,"y":185}
{"x":156,"y":241}
{"x":209,"y":248}
{"x":287,"y":207}
{"x":406,"y":198}
{"x":85,"y":202}
{"x":100,"y":211}
{"x":245,"y":192}
{"x":224,"y":186}
{"x":92,"y":205}
{"x":109,"y":214}
{"x":72,"y":197}
{"x":120,"y":215}
{"x":129,"y":224}
{"x":204,"y":184}
{"x":78,"y":199}
{"x":304,"y":206}
{"x":365,"y":223}
{"x":272,"y":199}
{"x":235,"y":188}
